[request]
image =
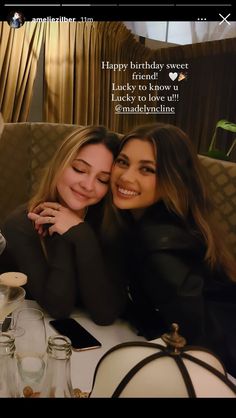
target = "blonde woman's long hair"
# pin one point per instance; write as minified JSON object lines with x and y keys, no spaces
{"x":183,"y":188}
{"x":65,"y":154}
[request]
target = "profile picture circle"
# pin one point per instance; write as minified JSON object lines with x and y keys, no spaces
{"x":16,"y":19}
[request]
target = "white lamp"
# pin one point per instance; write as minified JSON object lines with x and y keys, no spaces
{"x":145,"y":369}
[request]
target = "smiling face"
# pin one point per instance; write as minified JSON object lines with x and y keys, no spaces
{"x":134,"y":178}
{"x":85,"y":180}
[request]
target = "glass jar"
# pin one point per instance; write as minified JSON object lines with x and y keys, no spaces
{"x":57,"y":382}
{"x":8,"y":374}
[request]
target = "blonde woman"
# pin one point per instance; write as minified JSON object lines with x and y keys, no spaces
{"x":176,"y":263}
{"x":53,"y":239}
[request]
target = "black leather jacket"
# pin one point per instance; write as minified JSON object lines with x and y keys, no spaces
{"x":169,"y":281}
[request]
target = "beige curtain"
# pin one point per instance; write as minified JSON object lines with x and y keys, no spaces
{"x":77,"y":89}
{"x":118,"y":46}
{"x":59,"y":72}
{"x":19,"y":52}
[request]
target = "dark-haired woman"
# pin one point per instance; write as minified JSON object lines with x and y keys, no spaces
{"x":176,"y":264}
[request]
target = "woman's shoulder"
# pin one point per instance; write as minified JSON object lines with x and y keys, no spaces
{"x":163,"y":229}
{"x":17,"y":217}
{"x":160,"y":214}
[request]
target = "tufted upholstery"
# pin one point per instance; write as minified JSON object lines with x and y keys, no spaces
{"x":24,"y":150}
{"x":222,"y":181}
{"x":26,"y":147}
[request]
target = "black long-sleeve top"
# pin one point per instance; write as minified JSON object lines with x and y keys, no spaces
{"x":71,"y":274}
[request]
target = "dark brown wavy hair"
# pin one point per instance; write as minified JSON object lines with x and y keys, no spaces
{"x":183,"y":188}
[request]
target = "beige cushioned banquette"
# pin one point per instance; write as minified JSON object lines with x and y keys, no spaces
{"x":26,"y":147}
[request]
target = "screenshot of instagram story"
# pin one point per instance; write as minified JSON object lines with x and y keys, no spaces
{"x":134,"y":108}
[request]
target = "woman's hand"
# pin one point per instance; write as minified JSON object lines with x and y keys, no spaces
{"x":59,"y":217}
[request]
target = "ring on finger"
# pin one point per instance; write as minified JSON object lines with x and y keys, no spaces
{"x":50,"y":219}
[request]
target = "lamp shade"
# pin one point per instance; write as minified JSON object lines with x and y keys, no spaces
{"x":146,"y":369}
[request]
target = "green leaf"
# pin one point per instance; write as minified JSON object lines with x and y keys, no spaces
{"x":228,"y":126}
{"x":224,"y":124}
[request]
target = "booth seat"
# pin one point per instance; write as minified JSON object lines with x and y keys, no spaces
{"x":26,"y":147}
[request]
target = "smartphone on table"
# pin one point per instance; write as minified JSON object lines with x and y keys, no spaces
{"x":80,"y":338}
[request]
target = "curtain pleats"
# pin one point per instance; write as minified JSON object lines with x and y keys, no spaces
{"x":19,"y":52}
{"x":208,"y":94}
{"x":78,"y":90}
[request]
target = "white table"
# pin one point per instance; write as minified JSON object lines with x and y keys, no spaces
{"x":83,"y":363}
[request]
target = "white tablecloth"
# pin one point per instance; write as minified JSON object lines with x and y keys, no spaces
{"x":83,"y":363}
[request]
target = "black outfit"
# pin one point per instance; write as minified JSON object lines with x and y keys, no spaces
{"x":168,"y":281}
{"x":71,"y":273}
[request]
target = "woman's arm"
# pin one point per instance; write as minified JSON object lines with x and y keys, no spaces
{"x":176,"y":290}
{"x":101,"y":294}
{"x":173,"y":278}
{"x":50,"y":282}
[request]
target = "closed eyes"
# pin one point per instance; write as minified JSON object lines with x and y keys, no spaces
{"x":84,"y":171}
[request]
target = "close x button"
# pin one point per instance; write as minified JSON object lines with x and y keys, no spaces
{"x":224,"y":19}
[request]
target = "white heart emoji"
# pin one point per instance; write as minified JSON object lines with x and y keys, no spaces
{"x":173,"y":76}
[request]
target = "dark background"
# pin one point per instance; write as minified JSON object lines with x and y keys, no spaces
{"x":123,"y":11}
